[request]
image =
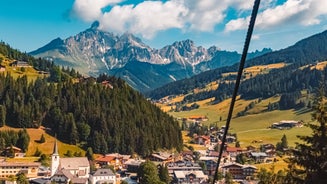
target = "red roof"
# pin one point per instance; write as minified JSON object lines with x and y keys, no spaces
{"x":203,"y":137}
{"x":105,"y":158}
{"x":233,"y":149}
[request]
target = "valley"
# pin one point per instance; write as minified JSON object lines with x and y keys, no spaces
{"x":257,"y":120}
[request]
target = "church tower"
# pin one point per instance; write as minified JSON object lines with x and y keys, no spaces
{"x":54,"y":159}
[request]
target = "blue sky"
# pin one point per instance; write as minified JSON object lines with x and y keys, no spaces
{"x":28,"y":25}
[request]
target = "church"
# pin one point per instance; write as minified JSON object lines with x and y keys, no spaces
{"x":72,"y":169}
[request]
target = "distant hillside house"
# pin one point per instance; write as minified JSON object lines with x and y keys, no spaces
{"x":12,"y":151}
{"x":259,"y":157}
{"x":107,"y":84}
{"x":284,"y":124}
{"x":198,"y":118}
{"x":202,"y":140}
{"x":20,"y":64}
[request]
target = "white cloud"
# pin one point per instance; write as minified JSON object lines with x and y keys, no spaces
{"x":90,"y":10}
{"x":149,"y":17}
{"x":292,"y":12}
{"x":146,"y":18}
{"x":205,"y":14}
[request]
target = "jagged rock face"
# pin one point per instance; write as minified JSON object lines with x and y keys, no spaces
{"x":93,"y":52}
{"x":185,"y":53}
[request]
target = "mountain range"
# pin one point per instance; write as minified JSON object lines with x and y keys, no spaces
{"x":93,"y":52}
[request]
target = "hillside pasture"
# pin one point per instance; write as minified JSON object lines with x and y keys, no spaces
{"x":261,"y":69}
{"x":46,"y":147}
{"x":16,"y":72}
{"x":255,"y":125}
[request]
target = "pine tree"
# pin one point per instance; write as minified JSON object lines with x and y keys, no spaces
{"x":42,"y":139}
{"x":164,"y":174}
{"x":284,"y":142}
{"x":309,"y":161}
{"x":2,"y":115}
{"x":89,"y":154}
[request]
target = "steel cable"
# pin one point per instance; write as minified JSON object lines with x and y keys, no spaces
{"x":237,"y":83}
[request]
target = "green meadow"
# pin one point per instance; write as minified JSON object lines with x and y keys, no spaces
{"x":255,"y":125}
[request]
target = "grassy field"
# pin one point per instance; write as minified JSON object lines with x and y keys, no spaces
{"x":47,"y":147}
{"x":280,"y":164}
{"x":254,"y":126}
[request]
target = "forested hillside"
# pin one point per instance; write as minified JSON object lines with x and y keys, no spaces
{"x":104,"y":113}
{"x":289,"y":79}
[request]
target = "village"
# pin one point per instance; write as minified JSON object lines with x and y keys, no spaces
{"x":189,"y":166}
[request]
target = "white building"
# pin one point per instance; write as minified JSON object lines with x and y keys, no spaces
{"x":103,"y":176}
{"x":69,"y":169}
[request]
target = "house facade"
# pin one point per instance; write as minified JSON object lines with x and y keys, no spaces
{"x":102,"y":176}
{"x":239,"y":171}
{"x":8,"y":169}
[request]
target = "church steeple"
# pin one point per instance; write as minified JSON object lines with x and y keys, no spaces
{"x":55,"y":148}
{"x":55,"y":159}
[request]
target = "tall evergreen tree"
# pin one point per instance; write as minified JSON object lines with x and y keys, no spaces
{"x":2,"y":115}
{"x":164,"y":174}
{"x":309,"y":163}
{"x":89,"y":154}
{"x":23,"y":140}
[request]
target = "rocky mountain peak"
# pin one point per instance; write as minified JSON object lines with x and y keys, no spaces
{"x":95,"y":25}
{"x":131,"y":40}
{"x":94,"y":51}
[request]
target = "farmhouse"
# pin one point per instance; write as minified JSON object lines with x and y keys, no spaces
{"x":12,"y":151}
{"x":198,"y":118}
{"x":202,"y":140}
{"x":20,"y":64}
{"x":259,"y":157}
{"x":284,"y":124}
